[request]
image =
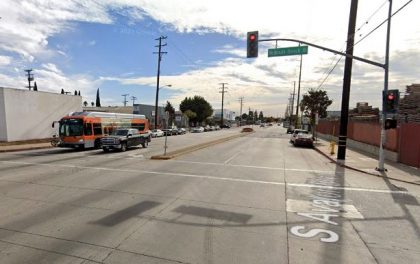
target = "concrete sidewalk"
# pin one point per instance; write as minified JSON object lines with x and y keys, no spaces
{"x":24,"y":146}
{"x":367,"y":163}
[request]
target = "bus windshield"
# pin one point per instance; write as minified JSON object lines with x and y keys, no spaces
{"x":71,"y":127}
{"x":121,"y":132}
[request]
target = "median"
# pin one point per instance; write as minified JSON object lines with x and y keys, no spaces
{"x":186,"y":150}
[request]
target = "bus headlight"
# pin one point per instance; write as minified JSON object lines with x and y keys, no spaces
{"x":81,"y":140}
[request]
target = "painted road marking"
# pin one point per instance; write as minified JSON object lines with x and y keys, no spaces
{"x":344,"y":210}
{"x":231,"y":158}
{"x":255,"y":167}
{"x":303,"y":185}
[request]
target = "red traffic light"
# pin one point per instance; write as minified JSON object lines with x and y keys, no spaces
{"x":252,"y":44}
{"x":391,"y":96}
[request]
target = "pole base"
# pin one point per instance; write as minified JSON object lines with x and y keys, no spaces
{"x":382,"y":170}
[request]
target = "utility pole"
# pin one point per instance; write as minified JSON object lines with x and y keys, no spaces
{"x":241,"y":100}
{"x":342,"y":138}
{"x":125,"y":99}
{"x":383,"y":135}
{"x":293,"y":99}
{"x":223,"y":97}
{"x":298,"y":95}
{"x":134,"y":99}
{"x":160,"y":52}
{"x":30,"y":77}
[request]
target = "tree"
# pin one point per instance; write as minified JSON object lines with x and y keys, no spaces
{"x":92,"y":104}
{"x":62,"y":91}
{"x":98,"y":100}
{"x":261,"y":116}
{"x":190,"y":114}
{"x":244,"y":116}
{"x":75,"y":92}
{"x":316,"y":101}
{"x":199,"y":106}
{"x":85,"y":103}
{"x":78,"y":93}
{"x":255,"y":114}
{"x":35,"y":87}
{"x":171,"y":110}
{"x":250,"y":116}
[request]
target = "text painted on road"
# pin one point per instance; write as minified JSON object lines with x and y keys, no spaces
{"x":326,"y":206}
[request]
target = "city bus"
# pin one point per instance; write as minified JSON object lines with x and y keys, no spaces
{"x":85,"y":129}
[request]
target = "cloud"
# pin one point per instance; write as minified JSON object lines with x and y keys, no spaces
{"x":27,"y":26}
{"x":5,"y":60}
{"x":92,"y":43}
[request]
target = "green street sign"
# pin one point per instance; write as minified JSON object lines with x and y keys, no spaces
{"x":288,"y":51}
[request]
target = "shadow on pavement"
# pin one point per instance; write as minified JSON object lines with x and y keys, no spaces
{"x":403,"y":201}
{"x":126,"y":213}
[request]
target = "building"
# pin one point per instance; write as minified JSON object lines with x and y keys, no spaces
{"x":149,"y":112}
{"x":26,"y":115}
{"x":227,"y":115}
{"x":181,"y":120}
{"x":409,"y":105}
{"x":364,"y":111}
{"x":110,"y":109}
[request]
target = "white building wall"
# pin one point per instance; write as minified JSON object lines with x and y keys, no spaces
{"x":3,"y":125}
{"x":227,"y":114}
{"x":29,"y":114}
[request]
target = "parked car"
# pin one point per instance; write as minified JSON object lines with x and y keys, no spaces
{"x":217,"y":127}
{"x":168,"y":132}
{"x":157,"y":133}
{"x":198,"y":130}
{"x":290,"y":129}
{"x":124,"y":138}
{"x":225,"y":126}
{"x":295,"y":133}
{"x":303,"y":139}
{"x":182,"y":131}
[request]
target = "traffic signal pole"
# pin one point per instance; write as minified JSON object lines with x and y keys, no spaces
{"x":347,"y":55}
{"x":381,"y":166}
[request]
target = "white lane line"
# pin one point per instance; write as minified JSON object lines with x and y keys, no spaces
{"x":231,"y":158}
{"x":253,"y":167}
{"x":212,"y":177}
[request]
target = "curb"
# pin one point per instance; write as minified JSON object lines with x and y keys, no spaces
{"x":23,"y":149}
{"x":362,"y":171}
{"x":190,"y":149}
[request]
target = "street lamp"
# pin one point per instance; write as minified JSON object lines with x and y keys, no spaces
{"x":157,"y":105}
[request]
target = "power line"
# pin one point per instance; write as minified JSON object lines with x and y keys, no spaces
{"x":383,"y":22}
{"x":339,"y":59}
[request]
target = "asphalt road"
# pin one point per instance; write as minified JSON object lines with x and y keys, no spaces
{"x":254,"y":199}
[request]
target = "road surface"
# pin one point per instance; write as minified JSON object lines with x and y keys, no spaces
{"x":254,"y":199}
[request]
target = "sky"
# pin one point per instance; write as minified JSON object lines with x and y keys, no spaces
{"x":109,"y":44}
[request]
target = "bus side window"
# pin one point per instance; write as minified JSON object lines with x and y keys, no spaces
{"x":97,"y":129}
{"x":88,"y":129}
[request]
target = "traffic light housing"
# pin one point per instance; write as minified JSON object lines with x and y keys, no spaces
{"x":252,"y":44}
{"x":390,"y":123}
{"x":390,"y":101}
